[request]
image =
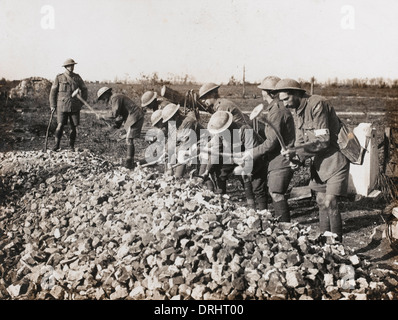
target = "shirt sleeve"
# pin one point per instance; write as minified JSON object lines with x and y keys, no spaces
{"x":317,"y":134}
{"x":247,"y":138}
{"x":271,"y":142}
{"x":54,"y":93}
{"x":116,"y":106}
{"x":186,"y":129}
{"x":83,"y":88}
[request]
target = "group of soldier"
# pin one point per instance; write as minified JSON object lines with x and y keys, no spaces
{"x":298,"y":126}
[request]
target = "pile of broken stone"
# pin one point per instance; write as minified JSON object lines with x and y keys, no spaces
{"x":73,"y":225}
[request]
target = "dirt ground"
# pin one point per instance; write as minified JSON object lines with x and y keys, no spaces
{"x":23,"y":127}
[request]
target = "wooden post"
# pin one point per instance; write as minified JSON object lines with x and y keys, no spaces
{"x":386,"y":148}
{"x":312,"y":85}
{"x":244,"y":80}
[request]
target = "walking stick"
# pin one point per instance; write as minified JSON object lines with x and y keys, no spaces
{"x":48,"y":130}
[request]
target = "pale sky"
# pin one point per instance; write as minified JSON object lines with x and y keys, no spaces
{"x":210,"y":40}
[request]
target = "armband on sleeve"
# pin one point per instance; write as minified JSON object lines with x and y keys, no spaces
{"x":321,"y":132}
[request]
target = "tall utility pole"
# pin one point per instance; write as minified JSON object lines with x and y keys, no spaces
{"x":244,"y":85}
{"x":312,"y":84}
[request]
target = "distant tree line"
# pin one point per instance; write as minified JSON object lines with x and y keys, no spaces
{"x":153,"y":79}
{"x":379,"y":82}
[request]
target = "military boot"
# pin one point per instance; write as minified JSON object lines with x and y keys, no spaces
{"x":129,"y":163}
{"x":262,"y":204}
{"x":222,"y":187}
{"x":57,"y":143}
{"x":72,"y":145}
{"x":72,"y":139}
{"x":249,"y":194}
{"x":282,"y":211}
{"x":58,"y":135}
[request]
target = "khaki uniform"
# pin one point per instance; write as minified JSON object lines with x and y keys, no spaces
{"x":126,"y":112}
{"x":254,"y":186}
{"x":279,"y":170}
{"x":68,"y":107}
{"x":226,"y":105}
{"x":316,"y":121}
{"x":282,"y":120}
{"x":61,"y":92}
{"x":182,"y":134}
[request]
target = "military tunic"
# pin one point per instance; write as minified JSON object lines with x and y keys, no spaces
{"x":247,"y":139}
{"x":226,"y":105}
{"x":316,"y":121}
{"x":282,"y":120}
{"x":182,"y":132}
{"x":279,"y":170}
{"x":189,"y":123}
{"x":123,"y":108}
{"x":61,"y":92}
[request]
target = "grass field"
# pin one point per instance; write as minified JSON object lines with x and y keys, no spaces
{"x":25,"y":120}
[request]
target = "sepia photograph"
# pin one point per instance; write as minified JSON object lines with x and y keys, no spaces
{"x":204,"y":153}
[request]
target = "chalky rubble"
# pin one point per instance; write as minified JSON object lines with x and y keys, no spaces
{"x":76,"y":226}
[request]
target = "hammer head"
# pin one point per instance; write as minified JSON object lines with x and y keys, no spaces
{"x":75,"y":93}
{"x":256,"y":111}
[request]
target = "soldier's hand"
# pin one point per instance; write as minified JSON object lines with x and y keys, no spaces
{"x":288,"y":153}
{"x":241,"y":158}
{"x":204,"y":176}
{"x":53,"y":109}
{"x":238,"y":158}
{"x":295,"y":162}
{"x":206,"y":148}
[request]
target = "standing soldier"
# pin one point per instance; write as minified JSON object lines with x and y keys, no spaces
{"x":209,"y":93}
{"x":68,"y":108}
{"x":317,"y":124}
{"x":124,"y":110}
{"x":279,"y":170}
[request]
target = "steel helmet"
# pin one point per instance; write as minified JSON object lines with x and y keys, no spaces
{"x":69,"y":62}
{"x":102,"y":91}
{"x":287,"y":84}
{"x":219,"y":121}
{"x":169,"y":111}
{"x":156,"y":117}
{"x":206,"y":88}
{"x":148,"y":97}
{"x":269,"y":83}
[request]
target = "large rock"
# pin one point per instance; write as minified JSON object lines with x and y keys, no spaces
{"x":31,"y":87}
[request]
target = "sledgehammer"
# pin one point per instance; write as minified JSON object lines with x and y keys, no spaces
{"x":77,"y":95}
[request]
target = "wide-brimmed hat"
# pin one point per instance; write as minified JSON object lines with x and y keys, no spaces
{"x":287,"y":84}
{"x":148,"y":97}
{"x":69,"y":62}
{"x":219,"y":122}
{"x":206,"y":88}
{"x":269,"y":83}
{"x":102,"y":91}
{"x":169,"y":111}
{"x":156,"y":117}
